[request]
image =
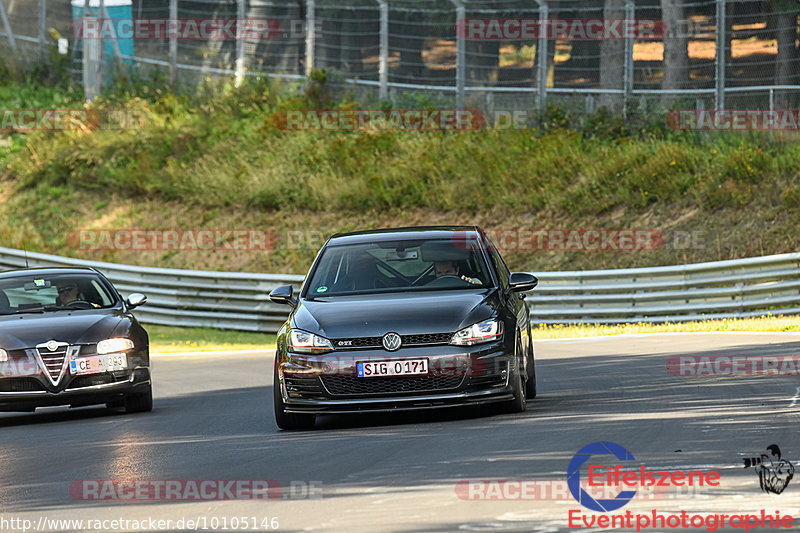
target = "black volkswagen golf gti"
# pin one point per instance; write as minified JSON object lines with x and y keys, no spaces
{"x":68,"y":338}
{"x":408,"y":318}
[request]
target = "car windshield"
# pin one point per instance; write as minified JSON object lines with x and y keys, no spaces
{"x":39,"y":293}
{"x":397,"y":266}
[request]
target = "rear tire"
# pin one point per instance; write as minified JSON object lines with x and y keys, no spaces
{"x":140,"y":402}
{"x":286,"y":420}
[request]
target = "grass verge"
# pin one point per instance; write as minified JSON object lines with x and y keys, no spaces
{"x":172,"y":339}
{"x":778,"y":323}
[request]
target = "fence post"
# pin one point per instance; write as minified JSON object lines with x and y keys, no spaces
{"x":630,"y":14}
{"x":101,"y":62}
{"x":7,"y":29}
{"x":42,"y":30}
{"x":460,"y":54}
{"x":719,"y":56}
{"x":173,"y":43}
{"x":240,"y":14}
{"x":541,"y":56}
{"x":92,"y":59}
{"x":383,"y":68}
{"x":310,"y":24}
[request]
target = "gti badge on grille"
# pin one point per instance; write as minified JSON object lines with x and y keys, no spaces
{"x":391,"y":341}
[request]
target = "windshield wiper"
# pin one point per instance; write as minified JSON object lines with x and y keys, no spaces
{"x":40,"y":309}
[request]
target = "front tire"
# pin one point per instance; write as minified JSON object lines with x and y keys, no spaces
{"x":140,"y":402}
{"x":530,"y":383}
{"x":286,"y":420}
{"x":518,"y":404}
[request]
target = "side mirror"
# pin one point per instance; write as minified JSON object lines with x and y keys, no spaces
{"x":135,"y":300}
{"x":283,"y":295}
{"x":522,"y":281}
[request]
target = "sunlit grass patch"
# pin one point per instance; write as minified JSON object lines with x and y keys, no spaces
{"x":172,"y":339}
{"x":778,"y":323}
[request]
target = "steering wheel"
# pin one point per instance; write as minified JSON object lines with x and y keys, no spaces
{"x":445,"y":280}
{"x":81,"y":304}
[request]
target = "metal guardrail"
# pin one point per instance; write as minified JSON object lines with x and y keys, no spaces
{"x":230,"y":300}
{"x":226,"y":300}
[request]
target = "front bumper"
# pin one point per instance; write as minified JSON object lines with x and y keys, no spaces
{"x":91,"y":390}
{"x":458,"y":376}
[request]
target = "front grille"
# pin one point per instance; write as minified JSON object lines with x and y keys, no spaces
{"x":353,"y":386}
{"x":301,"y":387}
{"x":407,"y":340}
{"x":53,"y":361}
{"x":20,"y":385}
{"x":90,"y":381}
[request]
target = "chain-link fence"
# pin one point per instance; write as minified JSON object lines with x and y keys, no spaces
{"x":490,"y":54}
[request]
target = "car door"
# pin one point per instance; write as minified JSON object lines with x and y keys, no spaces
{"x":514,"y":301}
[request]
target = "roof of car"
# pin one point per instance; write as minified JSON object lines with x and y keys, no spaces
{"x":44,"y":271}
{"x":406,"y":233}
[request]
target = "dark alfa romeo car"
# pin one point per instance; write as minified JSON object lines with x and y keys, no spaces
{"x":408,"y":318}
{"x":68,"y":338}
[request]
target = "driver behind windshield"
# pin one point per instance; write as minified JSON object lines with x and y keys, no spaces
{"x":450,"y":268}
{"x":68,"y":292}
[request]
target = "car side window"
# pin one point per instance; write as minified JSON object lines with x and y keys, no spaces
{"x":499,"y":264}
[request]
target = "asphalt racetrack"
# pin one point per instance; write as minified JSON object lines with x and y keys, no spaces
{"x":451,"y":470}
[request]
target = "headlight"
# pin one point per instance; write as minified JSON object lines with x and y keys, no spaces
{"x":113,"y":346}
{"x":3,"y":356}
{"x":485,"y":331}
{"x":304,"y":342}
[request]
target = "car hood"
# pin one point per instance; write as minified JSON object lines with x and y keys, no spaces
{"x":74,"y":327}
{"x":404,"y":313}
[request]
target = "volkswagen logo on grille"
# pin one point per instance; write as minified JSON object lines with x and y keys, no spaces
{"x":52,"y":346}
{"x":391,"y":341}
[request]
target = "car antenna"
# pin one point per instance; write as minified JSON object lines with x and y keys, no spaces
{"x":26,"y":256}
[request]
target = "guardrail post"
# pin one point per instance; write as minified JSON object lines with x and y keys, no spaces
{"x":719,"y":56}
{"x":310,"y":24}
{"x":383,"y":68}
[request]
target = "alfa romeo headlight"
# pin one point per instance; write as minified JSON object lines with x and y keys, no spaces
{"x":114,"y":346}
